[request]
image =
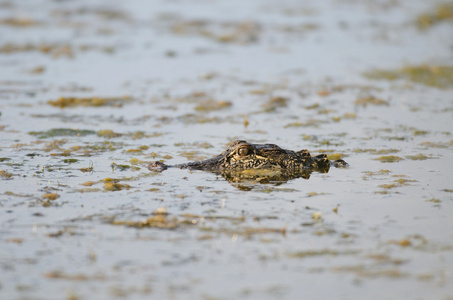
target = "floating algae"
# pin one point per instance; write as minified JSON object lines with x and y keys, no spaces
{"x":211,"y":105}
{"x":64,"y":102}
{"x":434,"y":76}
{"x":389,"y":158}
{"x":61,"y":132}
{"x":442,"y":13}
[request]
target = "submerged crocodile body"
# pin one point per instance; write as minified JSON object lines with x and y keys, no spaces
{"x":241,"y":156}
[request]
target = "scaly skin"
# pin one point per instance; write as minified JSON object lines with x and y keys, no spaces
{"x":241,"y":155}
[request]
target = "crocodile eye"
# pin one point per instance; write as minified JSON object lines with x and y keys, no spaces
{"x":243,"y":151}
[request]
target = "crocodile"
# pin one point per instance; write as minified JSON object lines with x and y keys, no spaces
{"x":241,"y":156}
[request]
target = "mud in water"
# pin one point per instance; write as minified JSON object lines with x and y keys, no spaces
{"x":91,"y":92}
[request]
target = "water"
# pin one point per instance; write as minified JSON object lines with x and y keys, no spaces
{"x":187,"y":78}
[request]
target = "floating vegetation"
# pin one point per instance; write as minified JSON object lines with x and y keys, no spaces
{"x":308,"y":123}
{"x":157,"y":221}
{"x":203,"y":145}
{"x":375,"y":151}
{"x":437,"y":144}
{"x":55,"y":50}
{"x":64,"y":102}
{"x":211,"y":105}
{"x":202,"y":118}
{"x":192,"y":155}
{"x":51,"y":196}
{"x":274,"y":103}
{"x":397,"y":183}
{"x":70,"y":160}
{"x":47,"y":198}
{"x":345,"y":116}
{"x":370,"y":100}
{"x":381,"y":172}
{"x":73,"y":277}
{"x":134,"y":151}
{"x":120,"y":167}
{"x":38,"y":70}
{"x":89,"y":169}
{"x":321,"y":252}
{"x":434,"y":76}
{"x":389,"y":158}
{"x":327,"y":142}
{"x":317,"y":216}
{"x":420,"y":132}
{"x":19,"y":22}
{"x":107,"y":133}
{"x":115,"y":186}
{"x":434,"y":200}
{"x":335,"y":156}
{"x":365,"y":271}
{"x":223,"y":32}
{"x":161,"y":219}
{"x":419,"y":157}
{"x":441,"y":13}
{"x":5,"y":175}
{"x":61,"y":132}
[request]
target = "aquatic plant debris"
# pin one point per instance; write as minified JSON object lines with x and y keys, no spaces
{"x":430,"y":75}
{"x":443,"y":12}
{"x":57,"y":132}
{"x":64,"y":102}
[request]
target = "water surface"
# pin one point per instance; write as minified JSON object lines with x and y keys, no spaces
{"x":92,"y":91}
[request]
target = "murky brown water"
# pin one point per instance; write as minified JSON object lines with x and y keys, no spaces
{"x":92,"y":91}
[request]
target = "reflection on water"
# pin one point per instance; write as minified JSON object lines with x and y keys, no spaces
{"x":246,"y":180}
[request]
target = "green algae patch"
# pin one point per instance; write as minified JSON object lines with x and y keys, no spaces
{"x":434,"y":76}
{"x":115,"y":186}
{"x":121,"y":167}
{"x":443,"y":12}
{"x":107,"y":133}
{"x":389,"y":158}
{"x":64,"y":102}
{"x":335,"y":156}
{"x":61,"y":132}
{"x":420,"y":132}
{"x":70,"y":160}
{"x":437,"y":144}
{"x":419,"y":157}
